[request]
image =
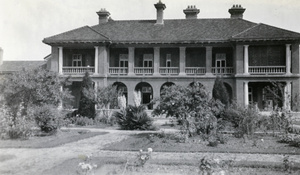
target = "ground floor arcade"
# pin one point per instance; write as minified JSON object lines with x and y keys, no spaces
{"x":263,"y":93}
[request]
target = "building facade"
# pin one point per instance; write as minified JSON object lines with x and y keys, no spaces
{"x":147,"y":55}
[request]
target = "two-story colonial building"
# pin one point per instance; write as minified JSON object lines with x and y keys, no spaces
{"x":146,"y":55}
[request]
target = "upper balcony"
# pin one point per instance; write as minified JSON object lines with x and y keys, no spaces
{"x":202,"y":61}
{"x":267,"y":70}
{"x":78,"y":61}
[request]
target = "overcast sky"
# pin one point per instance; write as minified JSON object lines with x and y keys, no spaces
{"x":25,"y":23}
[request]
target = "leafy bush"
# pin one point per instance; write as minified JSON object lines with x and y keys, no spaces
{"x":107,"y":97}
{"x":233,"y":114}
{"x":48,"y":118}
{"x":220,"y":92}
{"x":106,"y":117}
{"x":14,"y":127}
{"x":291,"y":139}
{"x":23,"y":90}
{"x":134,"y":118}
{"x":249,"y":121}
{"x":87,"y":100}
{"x":82,"y":121}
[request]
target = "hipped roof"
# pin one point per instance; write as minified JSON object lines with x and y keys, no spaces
{"x":173,"y":31}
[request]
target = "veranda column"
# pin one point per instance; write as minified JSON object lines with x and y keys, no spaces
{"x":288,"y":58}
{"x":60,"y":60}
{"x":60,"y":105}
{"x":96,"y":90}
{"x":208,"y":60}
{"x":287,"y":96}
{"x":96,"y":59}
{"x":156,"y":60}
{"x":182,"y":60}
{"x":246,"y":93}
{"x":130,"y":60}
{"x":246,"y":59}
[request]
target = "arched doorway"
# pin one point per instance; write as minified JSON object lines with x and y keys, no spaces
{"x":146,"y":93}
{"x":167,"y":84}
{"x":123,"y":88}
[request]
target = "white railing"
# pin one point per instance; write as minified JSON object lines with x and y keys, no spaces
{"x":169,"y":70}
{"x":143,"y":70}
{"x":195,"y":70}
{"x":267,"y":69}
{"x":78,"y":70}
{"x":118,"y":70}
{"x":222,"y":70}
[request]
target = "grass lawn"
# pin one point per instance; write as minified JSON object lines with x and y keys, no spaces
{"x":262,"y":144}
{"x":60,"y":138}
{"x":116,"y":166}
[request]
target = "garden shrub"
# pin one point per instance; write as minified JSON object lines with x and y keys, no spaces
{"x":134,"y":118}
{"x":192,"y":108}
{"x":220,"y":91}
{"x":87,"y":99}
{"x":106,"y":117}
{"x":82,"y":121}
{"x":48,"y":118}
{"x":14,"y":127}
{"x":249,"y":121}
{"x":23,"y":90}
{"x":233,"y":114}
{"x":291,"y":139}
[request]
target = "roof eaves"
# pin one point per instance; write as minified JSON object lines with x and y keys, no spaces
{"x":168,"y":41}
{"x":265,"y":39}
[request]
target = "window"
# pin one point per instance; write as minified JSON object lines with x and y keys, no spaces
{"x":220,"y":62}
{"x":77,"y":60}
{"x":146,"y":89}
{"x":123,"y":60}
{"x":168,"y":60}
{"x":148,"y":60}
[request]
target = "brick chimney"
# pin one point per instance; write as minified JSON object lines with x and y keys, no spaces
{"x":160,"y":12}
{"x":103,"y":16}
{"x":191,"y":12}
{"x":236,"y":11}
{"x":1,"y":56}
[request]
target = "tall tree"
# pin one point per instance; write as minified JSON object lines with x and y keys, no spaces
{"x":107,"y":97}
{"x":87,"y":100}
{"x":220,"y":92}
{"x":33,"y":88}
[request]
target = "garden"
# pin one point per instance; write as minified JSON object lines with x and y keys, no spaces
{"x":188,"y":132}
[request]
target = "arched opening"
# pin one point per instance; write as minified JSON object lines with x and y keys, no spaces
{"x":123,"y":88}
{"x":146,"y":93}
{"x":167,"y":84}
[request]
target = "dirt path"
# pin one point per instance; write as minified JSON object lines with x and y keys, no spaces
{"x":35,"y":161}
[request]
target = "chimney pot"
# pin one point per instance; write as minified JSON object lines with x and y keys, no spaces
{"x":103,"y":15}
{"x":236,"y":11}
{"x":160,"y":7}
{"x":191,"y":12}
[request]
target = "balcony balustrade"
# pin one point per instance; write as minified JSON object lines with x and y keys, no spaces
{"x":78,"y":70}
{"x":195,"y":70}
{"x":222,"y":70}
{"x":169,"y":70}
{"x":143,"y":70}
{"x":263,"y":70}
{"x":118,"y":70}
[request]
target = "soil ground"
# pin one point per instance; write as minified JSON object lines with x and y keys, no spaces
{"x":63,"y":158}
